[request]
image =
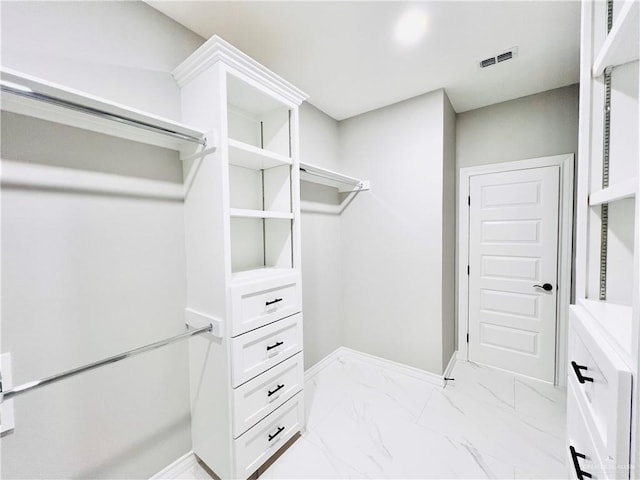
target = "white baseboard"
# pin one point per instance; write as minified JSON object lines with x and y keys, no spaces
{"x":175,"y":469}
{"x":452,"y":363}
{"x":348,"y":353}
{"x":322,"y":364}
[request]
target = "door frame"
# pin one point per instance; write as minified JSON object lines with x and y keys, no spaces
{"x":565,"y":250}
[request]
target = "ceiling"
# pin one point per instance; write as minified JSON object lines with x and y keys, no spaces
{"x":345,"y":57}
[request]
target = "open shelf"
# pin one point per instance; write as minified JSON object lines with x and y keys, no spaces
{"x":258,"y":119}
{"x":614,"y":319}
{"x":621,"y":45}
{"x":618,"y":191}
{"x":244,"y":213}
{"x":245,"y":155}
{"x":324,"y":176}
{"x":31,"y":96}
{"x":258,"y":242}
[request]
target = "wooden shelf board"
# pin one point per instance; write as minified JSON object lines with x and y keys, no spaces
{"x":618,"y":191}
{"x":244,"y":155}
{"x":76,"y":118}
{"x":621,"y":45}
{"x":244,"y":213}
{"x":615,"y":319}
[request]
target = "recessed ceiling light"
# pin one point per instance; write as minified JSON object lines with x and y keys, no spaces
{"x":411,"y":27}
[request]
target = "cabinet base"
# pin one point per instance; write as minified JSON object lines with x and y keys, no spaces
{"x":263,"y":468}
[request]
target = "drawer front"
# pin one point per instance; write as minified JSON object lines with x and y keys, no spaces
{"x":260,"y":303}
{"x":602,"y":385}
{"x":260,"y":396}
{"x":255,"y":447}
{"x":258,"y":350}
{"x":584,"y":456}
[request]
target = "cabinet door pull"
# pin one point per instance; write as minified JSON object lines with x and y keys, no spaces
{"x":273,"y":301}
{"x":280,"y":430}
{"x":581,"y":474}
{"x":576,"y":369}
{"x":271,"y":392}
{"x":277,"y":344}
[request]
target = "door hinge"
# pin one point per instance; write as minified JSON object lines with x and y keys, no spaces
{"x":467,"y":338}
{"x":468,"y":270}
{"x":469,"y":200}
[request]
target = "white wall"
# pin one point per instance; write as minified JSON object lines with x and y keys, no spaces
{"x":534,"y":126}
{"x":392,"y":252}
{"x":321,"y":266}
{"x":448,"y":233}
{"x":123,"y":51}
{"x":88,"y":275}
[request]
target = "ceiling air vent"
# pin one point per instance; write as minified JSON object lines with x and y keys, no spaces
{"x":501,"y":57}
{"x":488,"y":61}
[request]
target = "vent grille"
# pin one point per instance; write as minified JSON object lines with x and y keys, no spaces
{"x":488,"y":61}
{"x":501,"y":57}
{"x":504,"y":56}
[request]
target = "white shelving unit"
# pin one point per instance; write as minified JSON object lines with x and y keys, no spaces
{"x":242,"y":222}
{"x":34,"y":97}
{"x":604,"y":331}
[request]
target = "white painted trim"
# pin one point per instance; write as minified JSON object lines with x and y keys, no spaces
{"x":36,"y":176}
{"x":322,"y":364}
{"x":450,"y":365}
{"x":565,"y":237}
{"x":177,"y":467}
{"x":350,"y":354}
{"x":216,"y":49}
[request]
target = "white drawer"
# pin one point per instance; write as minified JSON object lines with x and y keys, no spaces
{"x":584,"y":454}
{"x":257,"y":398}
{"x":255,"y":447}
{"x":258,"y":350}
{"x":258,"y":303}
{"x":602,"y":385}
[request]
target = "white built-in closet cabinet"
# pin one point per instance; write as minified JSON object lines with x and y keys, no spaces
{"x":604,"y":331}
{"x":242,"y":227}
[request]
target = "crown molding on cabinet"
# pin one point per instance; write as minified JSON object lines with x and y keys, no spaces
{"x":216,"y":49}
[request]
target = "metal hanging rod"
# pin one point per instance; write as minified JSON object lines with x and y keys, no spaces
{"x":335,"y":178}
{"x":19,"y":390}
{"x":43,"y":97}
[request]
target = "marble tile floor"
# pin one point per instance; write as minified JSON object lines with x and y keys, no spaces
{"x":364,"y":421}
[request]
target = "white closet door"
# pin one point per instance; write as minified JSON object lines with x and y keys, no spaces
{"x":513,"y":246}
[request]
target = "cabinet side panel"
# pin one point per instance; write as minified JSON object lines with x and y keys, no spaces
{"x":206,"y":200}
{"x":210,"y":405}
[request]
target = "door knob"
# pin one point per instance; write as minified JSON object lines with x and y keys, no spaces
{"x":547,"y":287}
